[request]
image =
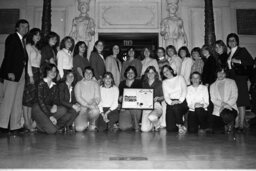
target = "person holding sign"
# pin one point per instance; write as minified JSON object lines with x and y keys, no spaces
{"x":150,"y":118}
{"x":129,"y":118}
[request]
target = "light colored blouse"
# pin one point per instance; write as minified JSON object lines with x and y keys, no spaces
{"x":64,"y":61}
{"x":174,"y":88}
{"x":109,"y":98}
{"x":186,"y":69}
{"x":34,"y":58}
{"x":175,"y":62}
{"x":197,"y":95}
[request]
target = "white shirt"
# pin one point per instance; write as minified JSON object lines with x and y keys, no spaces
{"x":109,"y":98}
{"x":197,"y":95}
{"x":175,"y":62}
{"x":233,"y":50}
{"x":64,"y":61}
{"x":186,"y":69}
{"x":34,"y":58}
{"x":174,"y":88}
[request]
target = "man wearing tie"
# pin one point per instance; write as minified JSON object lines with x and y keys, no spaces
{"x":13,"y":72}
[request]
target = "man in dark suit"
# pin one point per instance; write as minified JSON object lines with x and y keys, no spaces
{"x":13,"y":72}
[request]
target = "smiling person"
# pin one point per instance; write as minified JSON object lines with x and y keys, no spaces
{"x":148,"y":61}
{"x":13,"y":73}
{"x":175,"y":91}
{"x":114,"y":65}
{"x":97,"y":60}
{"x":64,"y":56}
{"x":108,"y":104}
{"x":224,"y":94}
{"x":49,"y":116}
{"x":198,"y":101}
{"x":87,"y":93}
{"x":238,"y":62}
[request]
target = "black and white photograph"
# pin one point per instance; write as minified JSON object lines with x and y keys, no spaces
{"x":127,"y":84}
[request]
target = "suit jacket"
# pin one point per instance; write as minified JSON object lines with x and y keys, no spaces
{"x":114,"y":66}
{"x":15,"y":58}
{"x":64,"y":95}
{"x":98,"y":65}
{"x":242,"y":54}
{"x":230,"y":95}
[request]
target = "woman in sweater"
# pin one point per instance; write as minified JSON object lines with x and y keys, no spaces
{"x":198,"y":101}
{"x":150,"y":118}
{"x":47,"y":113}
{"x":187,"y":63}
{"x":87,"y":93}
{"x":175,"y":91}
{"x":114,"y":65}
{"x":148,"y":61}
{"x":174,"y":60}
{"x":224,"y":94}
{"x":108,"y":104}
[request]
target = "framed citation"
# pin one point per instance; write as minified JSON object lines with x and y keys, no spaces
{"x":138,"y":98}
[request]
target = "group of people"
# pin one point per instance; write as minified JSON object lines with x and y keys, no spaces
{"x":57,"y":88}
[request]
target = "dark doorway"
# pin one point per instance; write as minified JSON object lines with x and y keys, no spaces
{"x":126,"y":40}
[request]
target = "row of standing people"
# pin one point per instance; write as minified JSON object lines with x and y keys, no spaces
{"x":181,"y":63}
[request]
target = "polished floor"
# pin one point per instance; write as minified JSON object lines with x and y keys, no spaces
{"x":129,"y":150}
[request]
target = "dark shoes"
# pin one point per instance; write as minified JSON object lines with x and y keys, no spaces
{"x":18,"y":131}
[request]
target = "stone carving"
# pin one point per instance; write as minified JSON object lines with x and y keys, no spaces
{"x":83,"y":27}
{"x":172,"y":28}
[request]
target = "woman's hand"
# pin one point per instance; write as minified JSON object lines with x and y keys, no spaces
{"x":76,"y":107}
{"x":31,"y":80}
{"x":198,"y":105}
{"x":53,"y":120}
{"x":174,"y":102}
{"x":236,"y":61}
{"x":54,"y":109}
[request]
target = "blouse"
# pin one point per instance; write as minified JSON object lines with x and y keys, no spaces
{"x":197,"y":95}
{"x":186,"y":69}
{"x":174,"y":88}
{"x":34,"y":58}
{"x":109,"y":98}
{"x":175,"y":62}
{"x":64,"y":60}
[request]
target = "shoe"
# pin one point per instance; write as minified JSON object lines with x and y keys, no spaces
{"x":182,"y":129}
{"x":92,"y":128}
{"x":4,"y":131}
{"x":18,"y":131}
{"x":201,"y":131}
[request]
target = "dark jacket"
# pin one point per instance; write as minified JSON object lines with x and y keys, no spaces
{"x":98,"y":65}
{"x":209,"y":71}
{"x":136,"y":84}
{"x":157,"y":86}
{"x":47,"y":53}
{"x":246,"y":59}
{"x":15,"y":58}
{"x":47,"y":97}
{"x":64,"y":95}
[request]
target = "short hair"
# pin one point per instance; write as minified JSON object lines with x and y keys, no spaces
{"x":196,"y":49}
{"x":31,"y":34}
{"x":67,"y":72}
{"x":130,"y":68}
{"x":185,"y":48}
{"x":162,"y":71}
{"x":206,"y":47}
{"x":222,"y":44}
{"x":20,"y":21}
{"x":95,"y":44}
{"x":147,"y":71}
{"x":89,"y":68}
{"x":171,"y":47}
{"x":111,"y":76}
{"x":195,"y":73}
{"x":234,"y":35}
{"x":62,"y":43}
{"x":48,"y":67}
{"x":161,"y":48}
{"x":76,"y":49}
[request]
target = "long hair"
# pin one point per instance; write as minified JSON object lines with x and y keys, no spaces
{"x":222,"y":44}
{"x":48,"y":67}
{"x":169,"y":68}
{"x":111,"y":76}
{"x":95,"y":44}
{"x":145,"y":77}
{"x":63,"y":41}
{"x":76,"y":49}
{"x":196,"y":49}
{"x":185,"y":48}
{"x":150,"y":53}
{"x":31,"y":34}
{"x":47,"y":39}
